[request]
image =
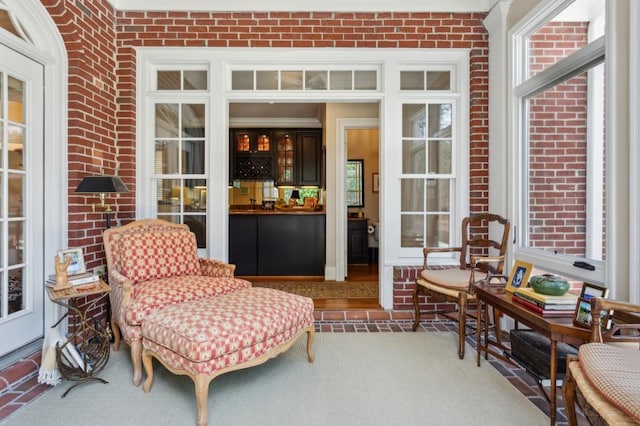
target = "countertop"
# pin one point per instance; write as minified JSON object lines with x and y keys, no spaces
{"x":242,"y":210}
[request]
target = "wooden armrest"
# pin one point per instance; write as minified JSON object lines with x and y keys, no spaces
{"x":428,"y":250}
{"x":619,"y":332}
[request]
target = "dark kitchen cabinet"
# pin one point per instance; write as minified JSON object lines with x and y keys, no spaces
{"x":251,"y":154}
{"x":243,"y":244}
{"x":277,"y":245}
{"x":298,"y":157}
{"x":357,"y":242}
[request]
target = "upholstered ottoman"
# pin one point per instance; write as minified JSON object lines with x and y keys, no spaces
{"x":206,"y":338}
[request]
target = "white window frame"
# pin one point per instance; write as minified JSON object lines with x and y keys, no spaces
{"x":520,"y":88}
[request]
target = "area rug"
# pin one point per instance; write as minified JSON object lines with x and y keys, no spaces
{"x":326,"y":289}
{"x":356,"y":379}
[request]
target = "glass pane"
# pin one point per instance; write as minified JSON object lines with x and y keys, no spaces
{"x":413,"y":121}
{"x":167,"y":158}
{"x":1,"y":140}
{"x":316,"y":80}
{"x":167,"y":121}
{"x":412,"y":230}
{"x":241,"y":80}
{"x":365,"y":80}
{"x":16,"y":195}
{"x":569,"y":31}
{"x":196,"y":80}
{"x":291,"y":80}
{"x":355,"y":183}
{"x":193,"y":157}
{"x":193,"y":120}
{"x":263,"y":141}
{"x":16,"y":242}
{"x":561,"y":137}
{"x":16,"y":147}
{"x":168,"y":80}
{"x":169,"y":195}
{"x":16,"y":290}
{"x":440,"y":120}
{"x":411,"y":80}
{"x":412,"y":195}
{"x":16,"y":100}
{"x":413,"y":156}
{"x":438,"y":231}
{"x":267,"y":80}
{"x":2,"y":116}
{"x":440,"y":157}
{"x":340,"y":80}
{"x":438,"y":195}
{"x":438,"y":80}
{"x":198,"y":225}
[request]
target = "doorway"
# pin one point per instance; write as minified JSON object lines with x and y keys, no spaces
{"x":21,"y":187}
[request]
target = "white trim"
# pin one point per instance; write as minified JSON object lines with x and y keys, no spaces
{"x":634,"y":154}
{"x":49,"y":50}
{"x":298,"y":6}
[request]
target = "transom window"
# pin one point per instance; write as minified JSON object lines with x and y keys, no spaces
{"x":305,"y":79}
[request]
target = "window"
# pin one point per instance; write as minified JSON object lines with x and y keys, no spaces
{"x":355,"y":183}
{"x":180,"y":143}
{"x":562,"y":144}
{"x":427,"y":182}
{"x":303,"y":79}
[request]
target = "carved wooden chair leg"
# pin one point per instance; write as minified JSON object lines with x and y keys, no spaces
{"x":462,"y":322}
{"x":416,"y":307}
{"x":569,"y":392}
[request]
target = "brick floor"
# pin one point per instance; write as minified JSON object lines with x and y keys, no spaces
{"x":19,"y":386}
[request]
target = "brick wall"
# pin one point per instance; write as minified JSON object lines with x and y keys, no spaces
{"x":101,"y":46}
{"x":558,"y":147}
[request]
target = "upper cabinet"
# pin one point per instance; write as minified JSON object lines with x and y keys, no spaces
{"x":251,"y":154}
{"x":298,"y":157}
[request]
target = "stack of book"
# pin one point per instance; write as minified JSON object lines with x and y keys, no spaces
{"x":76,"y":279}
{"x":549,"y":306}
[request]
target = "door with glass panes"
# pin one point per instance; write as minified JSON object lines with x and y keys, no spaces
{"x":21,"y":200}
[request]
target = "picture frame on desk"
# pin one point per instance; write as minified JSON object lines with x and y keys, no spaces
{"x":77,"y":264}
{"x":591,"y":290}
{"x":582,"y":317}
{"x":519,"y":276}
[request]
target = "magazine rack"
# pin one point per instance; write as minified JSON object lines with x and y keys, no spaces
{"x":85,"y":352}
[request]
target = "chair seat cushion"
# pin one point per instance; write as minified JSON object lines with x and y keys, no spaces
{"x":152,"y":295}
{"x":615,"y":373}
{"x":211,"y":334}
{"x":452,"y":278}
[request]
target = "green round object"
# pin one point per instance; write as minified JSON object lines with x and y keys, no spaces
{"x":549,"y":284}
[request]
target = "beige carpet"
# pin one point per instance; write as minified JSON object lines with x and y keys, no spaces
{"x":326,"y":290}
{"x":357,"y":379}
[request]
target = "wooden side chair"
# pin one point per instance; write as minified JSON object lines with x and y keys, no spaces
{"x":479,"y":255}
{"x":604,"y":379}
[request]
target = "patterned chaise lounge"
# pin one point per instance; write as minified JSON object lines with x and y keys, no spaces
{"x":153,"y":264}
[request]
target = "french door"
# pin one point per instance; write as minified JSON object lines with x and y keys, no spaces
{"x":21,"y":200}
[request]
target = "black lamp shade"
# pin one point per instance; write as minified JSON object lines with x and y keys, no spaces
{"x":102,"y":184}
{"x":295,"y":194}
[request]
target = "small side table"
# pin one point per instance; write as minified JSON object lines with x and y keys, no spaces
{"x":89,"y":337}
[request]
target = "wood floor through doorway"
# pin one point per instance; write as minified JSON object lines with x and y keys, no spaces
{"x":342,"y":300}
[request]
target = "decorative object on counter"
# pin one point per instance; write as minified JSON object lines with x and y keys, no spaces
{"x":102,"y":185}
{"x":295,"y":196}
{"x":590,"y":291}
{"x":549,"y":284}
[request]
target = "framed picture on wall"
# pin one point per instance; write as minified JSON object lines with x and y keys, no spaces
{"x":376,"y":182}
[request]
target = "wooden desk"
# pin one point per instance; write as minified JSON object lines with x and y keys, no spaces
{"x":556,"y":329}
